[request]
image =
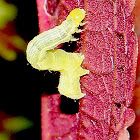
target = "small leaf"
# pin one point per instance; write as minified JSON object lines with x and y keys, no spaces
{"x":7,"y":13}
{"x":16,"y":124}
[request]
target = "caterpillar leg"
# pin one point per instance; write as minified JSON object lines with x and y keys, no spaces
{"x":73,"y":39}
{"x":83,"y":23}
{"x":79,"y":31}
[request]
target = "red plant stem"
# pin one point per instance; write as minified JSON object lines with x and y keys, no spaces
{"x":44,"y":120}
{"x":43,"y":19}
{"x":43,"y":25}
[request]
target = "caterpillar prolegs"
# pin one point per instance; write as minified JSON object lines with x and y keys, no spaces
{"x":42,"y":55}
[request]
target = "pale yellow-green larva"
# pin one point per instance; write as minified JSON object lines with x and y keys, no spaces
{"x":42,"y":55}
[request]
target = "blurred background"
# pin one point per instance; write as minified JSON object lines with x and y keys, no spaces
{"x":21,"y":85}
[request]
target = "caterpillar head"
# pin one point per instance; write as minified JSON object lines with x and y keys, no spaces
{"x":77,"y":15}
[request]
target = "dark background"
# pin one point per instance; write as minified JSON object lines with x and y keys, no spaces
{"x":21,"y":84}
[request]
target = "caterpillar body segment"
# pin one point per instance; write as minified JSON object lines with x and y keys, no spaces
{"x":57,"y":60}
{"x":53,"y":37}
{"x":42,"y":55}
{"x":69,"y":84}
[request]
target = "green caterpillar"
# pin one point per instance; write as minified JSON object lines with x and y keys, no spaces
{"x":42,"y":55}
